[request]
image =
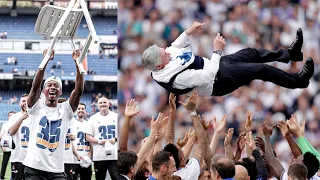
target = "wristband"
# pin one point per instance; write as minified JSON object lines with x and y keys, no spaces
{"x":193,"y":113}
{"x":99,"y":141}
{"x":218,"y":52}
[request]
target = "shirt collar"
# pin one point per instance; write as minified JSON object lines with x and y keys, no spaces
{"x":125,"y":176}
{"x":151,"y":178}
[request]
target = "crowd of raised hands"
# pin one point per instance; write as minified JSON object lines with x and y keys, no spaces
{"x":195,"y":156}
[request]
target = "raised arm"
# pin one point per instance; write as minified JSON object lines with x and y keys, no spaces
{"x":248,"y":129}
{"x":183,"y":40}
{"x":130,"y":111}
{"x":241,"y":143}
{"x":227,"y":144}
{"x":190,"y":142}
{"x":286,"y":134}
{"x":79,"y":83}
{"x":271,"y":160}
{"x":201,"y":147}
{"x":217,"y":127}
{"x":172,"y":115}
{"x":35,"y":90}
{"x":155,"y":128}
{"x":13,"y":129}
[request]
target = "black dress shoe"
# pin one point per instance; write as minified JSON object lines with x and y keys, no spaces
{"x":295,"y":48}
{"x":307,"y":71}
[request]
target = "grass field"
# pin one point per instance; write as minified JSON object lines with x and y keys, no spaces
{"x":8,"y":171}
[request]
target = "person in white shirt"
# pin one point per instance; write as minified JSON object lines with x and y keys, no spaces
{"x":102,"y":134}
{"x":19,"y":130}
{"x":179,"y":71}
{"x":6,"y":151}
{"x":49,"y":125}
{"x":69,"y":162}
{"x":81,"y":147}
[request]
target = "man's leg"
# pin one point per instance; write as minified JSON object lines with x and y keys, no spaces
{"x":251,"y":55}
{"x":6,"y":156}
{"x":113,"y":169}
{"x":85,"y":173}
{"x":68,"y":171}
{"x":232,"y":76}
{"x":17,"y":171}
{"x":33,"y":174}
{"x":100,"y":168}
{"x":55,"y":176}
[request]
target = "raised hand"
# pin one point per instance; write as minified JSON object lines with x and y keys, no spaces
{"x":228,"y":138}
{"x":260,"y":143}
{"x":294,"y":127}
{"x":203,"y":123}
{"x":172,"y":102}
{"x":164,"y":125}
{"x":248,"y":121}
{"x":75,"y":54}
{"x":190,"y":135}
{"x":251,"y":144}
{"x":45,"y":53}
{"x":219,"y":43}
{"x":218,"y":127}
{"x":191,"y":103}
{"x":195,"y":27}
{"x":283,"y":128}
{"x":131,"y":108}
{"x":267,"y":130}
{"x":157,"y":124}
{"x":241,"y":141}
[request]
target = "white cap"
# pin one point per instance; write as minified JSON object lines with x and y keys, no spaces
{"x":85,"y":162}
{"x":7,"y":142}
{"x":55,"y":79}
{"x":109,"y":148}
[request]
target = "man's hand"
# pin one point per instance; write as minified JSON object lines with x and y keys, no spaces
{"x":283,"y":128}
{"x":219,"y":43}
{"x":24,"y":116}
{"x":75,"y":54}
{"x":157,"y":124}
{"x":248,"y":121}
{"x":172,"y":102}
{"x":190,"y":135}
{"x":45,"y":53}
{"x":79,"y":158}
{"x":228,"y":138}
{"x":203,"y":123}
{"x":191,"y":103}
{"x":131,"y":109}
{"x":241,"y":141}
{"x":164,"y":126}
{"x":294,"y":127}
{"x":260,"y":143}
{"x":195,"y":27}
{"x":218,"y":127}
{"x":71,"y":136}
{"x":267,"y":130}
{"x":251,"y":144}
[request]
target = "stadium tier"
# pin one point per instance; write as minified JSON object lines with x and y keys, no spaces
{"x":22,"y":27}
{"x":30,"y":61}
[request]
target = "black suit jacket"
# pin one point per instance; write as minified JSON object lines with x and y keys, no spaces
{"x":121,"y":177}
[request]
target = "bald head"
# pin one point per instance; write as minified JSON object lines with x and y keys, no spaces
{"x":241,"y":173}
{"x":103,"y":105}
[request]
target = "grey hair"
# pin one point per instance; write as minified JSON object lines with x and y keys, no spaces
{"x":151,"y":58}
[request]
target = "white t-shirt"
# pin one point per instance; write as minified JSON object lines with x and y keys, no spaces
{"x":191,"y":171}
{"x":48,"y":129}
{"x":68,"y":153}
{"x":20,"y":138}
{"x":284,"y":176}
{"x":80,"y":143}
{"x":103,"y":127}
{"x":5,"y":131}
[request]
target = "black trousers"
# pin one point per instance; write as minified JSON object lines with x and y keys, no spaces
{"x":73,"y":171}
{"x":35,"y":174}
{"x":246,"y":65}
{"x":101,"y":168}
{"x":5,"y":160}
{"x":17,"y":171}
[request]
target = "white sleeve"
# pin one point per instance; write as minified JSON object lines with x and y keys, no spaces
{"x":89,"y":127}
{"x":32,"y":110}
{"x":68,"y":109}
{"x":284,"y":175}
{"x":191,"y":77}
{"x":191,"y":171}
{"x":182,"y":41}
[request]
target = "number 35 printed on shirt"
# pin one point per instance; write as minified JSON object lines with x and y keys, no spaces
{"x":25,"y":132}
{"x":50,"y":134}
{"x":107,"y":132}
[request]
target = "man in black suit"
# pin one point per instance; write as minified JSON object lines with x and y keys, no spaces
{"x":126,"y":162}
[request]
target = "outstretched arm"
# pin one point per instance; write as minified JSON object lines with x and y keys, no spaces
{"x":172,"y":115}
{"x":227,"y":144}
{"x":78,"y":90}
{"x":271,"y":160}
{"x":34,"y":93}
{"x":130,"y":111}
{"x":218,"y":127}
{"x":286,"y":134}
{"x":183,"y":40}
